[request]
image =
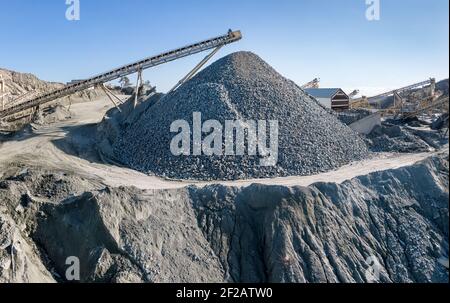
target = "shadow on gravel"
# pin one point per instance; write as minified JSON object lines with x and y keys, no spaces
{"x":79,"y":142}
{"x":23,"y":134}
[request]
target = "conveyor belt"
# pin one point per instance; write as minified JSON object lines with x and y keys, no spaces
{"x":124,"y":71}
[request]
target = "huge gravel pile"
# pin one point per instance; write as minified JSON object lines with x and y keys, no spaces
{"x":240,"y":86}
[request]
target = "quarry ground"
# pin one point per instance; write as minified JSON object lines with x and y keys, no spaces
{"x":69,"y":145}
{"x":58,"y":199}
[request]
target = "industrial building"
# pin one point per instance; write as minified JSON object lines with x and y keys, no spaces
{"x":334,"y":98}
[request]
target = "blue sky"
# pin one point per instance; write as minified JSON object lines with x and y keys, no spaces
{"x":302,"y":39}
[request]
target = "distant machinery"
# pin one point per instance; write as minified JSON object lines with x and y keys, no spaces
{"x":424,"y":107}
{"x":312,"y":84}
{"x":400,"y":103}
{"x":353,"y":93}
{"x":74,"y":82}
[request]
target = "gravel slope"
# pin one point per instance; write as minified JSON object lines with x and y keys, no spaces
{"x":240,"y":86}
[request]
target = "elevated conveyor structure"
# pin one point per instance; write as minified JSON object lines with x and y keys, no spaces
{"x":431,"y":82}
{"x":136,"y":67}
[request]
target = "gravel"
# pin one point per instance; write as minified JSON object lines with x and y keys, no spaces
{"x":403,"y":139}
{"x":240,"y":86}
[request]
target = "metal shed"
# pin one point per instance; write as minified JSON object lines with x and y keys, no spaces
{"x":334,"y":98}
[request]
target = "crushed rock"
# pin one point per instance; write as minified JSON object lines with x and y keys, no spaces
{"x":240,"y":86}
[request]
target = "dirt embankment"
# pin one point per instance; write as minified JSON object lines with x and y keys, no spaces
{"x":321,"y":233}
{"x":21,"y":83}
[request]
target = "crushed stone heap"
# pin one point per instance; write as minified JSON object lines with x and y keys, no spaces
{"x":243,"y":87}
